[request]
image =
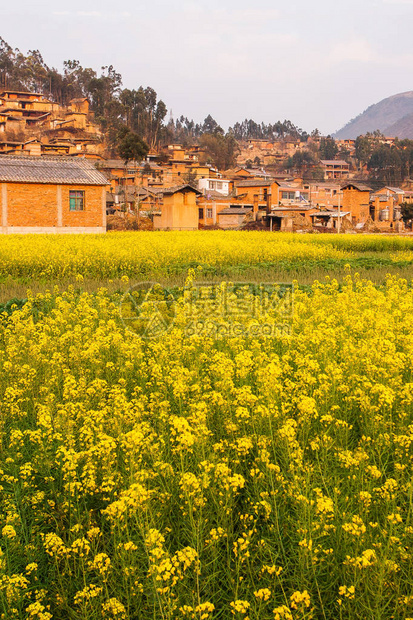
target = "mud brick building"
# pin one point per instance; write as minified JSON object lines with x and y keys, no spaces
{"x":335,"y":169}
{"x":179,"y":209}
{"x":59,"y":195}
{"x":260,"y":193}
{"x":356,"y":200}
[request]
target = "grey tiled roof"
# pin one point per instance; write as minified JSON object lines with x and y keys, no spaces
{"x":334,"y":162}
{"x":397,"y":190}
{"x":255,"y":183}
{"x":381,"y":197}
{"x":59,"y":170}
{"x":360,"y":186}
{"x":211,"y":194}
{"x":115,"y":163}
{"x":258,"y":172}
{"x":235,"y":211}
{"x":179,"y":188}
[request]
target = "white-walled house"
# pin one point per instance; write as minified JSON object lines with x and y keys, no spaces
{"x":221,"y":186}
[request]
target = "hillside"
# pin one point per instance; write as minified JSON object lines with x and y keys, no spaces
{"x":392,"y":116}
{"x":402,"y":128}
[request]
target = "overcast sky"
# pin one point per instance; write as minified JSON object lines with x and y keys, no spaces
{"x":316,"y":62}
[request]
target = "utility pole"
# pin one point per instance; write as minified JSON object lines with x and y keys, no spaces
{"x":339,"y":213}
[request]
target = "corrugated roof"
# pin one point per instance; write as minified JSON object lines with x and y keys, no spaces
{"x":396,"y":190}
{"x":325,"y":184}
{"x":59,"y":170}
{"x":258,"y":172}
{"x":329,"y":213}
{"x":255,"y":183}
{"x":359,"y":186}
{"x":381,"y":197}
{"x":211,"y":194}
{"x":235,"y":211}
{"x":305,"y":206}
{"x":117,"y":163}
{"x":291,"y":187}
{"x":335,"y":162}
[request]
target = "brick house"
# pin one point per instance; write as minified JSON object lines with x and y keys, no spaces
{"x":210,"y":205}
{"x":60,"y":195}
{"x":356,"y":200}
{"x":261,"y":193}
{"x":396,"y":193}
{"x":325,"y":193}
{"x":234,"y":217}
{"x":335,"y":169}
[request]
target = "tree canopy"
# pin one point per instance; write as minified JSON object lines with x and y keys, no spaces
{"x":130,"y":146}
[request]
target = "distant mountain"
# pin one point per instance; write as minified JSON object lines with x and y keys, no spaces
{"x":392,"y":116}
{"x":402,"y":128}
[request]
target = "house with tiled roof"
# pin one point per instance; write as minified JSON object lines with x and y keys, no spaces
{"x":335,"y":169}
{"x":235,"y":216}
{"x":51,"y":195}
{"x":356,"y":200}
{"x":395,"y":192}
{"x":262,"y":193}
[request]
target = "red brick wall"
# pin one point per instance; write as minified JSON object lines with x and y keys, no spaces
{"x":36,"y":205}
{"x":31,"y":204}
{"x":357,"y":202}
{"x":92,"y":214}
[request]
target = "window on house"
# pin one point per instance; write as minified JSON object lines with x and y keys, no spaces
{"x":209,"y":214}
{"x":76,"y":200}
{"x":201,"y":213}
{"x":219,"y":185}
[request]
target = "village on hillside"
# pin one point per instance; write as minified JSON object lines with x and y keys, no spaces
{"x":57,"y":175}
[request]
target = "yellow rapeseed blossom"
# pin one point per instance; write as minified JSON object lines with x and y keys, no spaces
{"x":300,"y":599}
{"x":240,"y":607}
{"x":264,"y":594}
{"x":101,"y":564}
{"x":114,"y":609}
{"x":282,"y":613}
{"x":172,"y":476}
{"x":37,"y":611}
{"x":88,"y":593}
{"x":8,"y":531}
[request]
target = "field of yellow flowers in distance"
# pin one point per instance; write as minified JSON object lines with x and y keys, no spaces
{"x":169,"y":255}
{"x":200,"y":477}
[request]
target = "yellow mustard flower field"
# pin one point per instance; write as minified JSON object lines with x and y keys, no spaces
{"x":169,"y":255}
{"x":210,"y":450}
